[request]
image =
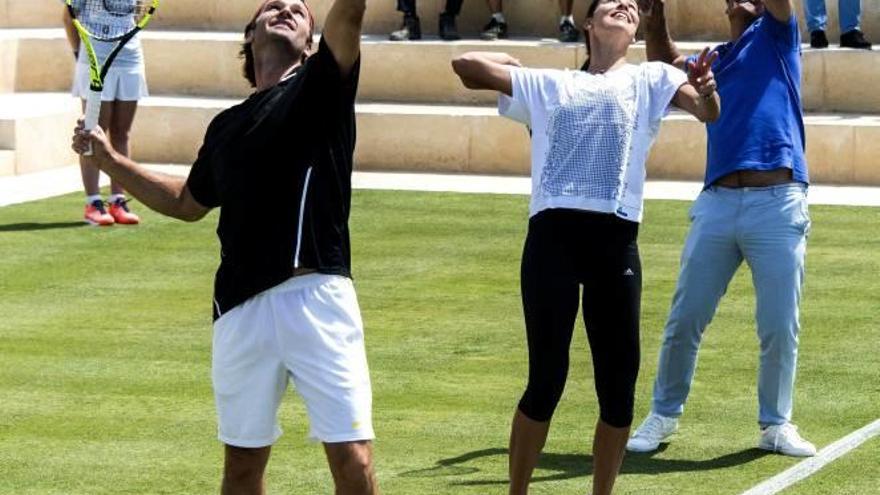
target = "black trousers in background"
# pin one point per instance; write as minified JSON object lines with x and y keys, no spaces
{"x":408,"y":7}
{"x":564,"y":250}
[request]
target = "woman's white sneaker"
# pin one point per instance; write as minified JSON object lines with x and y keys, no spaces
{"x":786,"y":440}
{"x":653,"y":430}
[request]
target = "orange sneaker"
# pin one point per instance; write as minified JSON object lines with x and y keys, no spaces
{"x":96,"y":214}
{"x":120,"y":212}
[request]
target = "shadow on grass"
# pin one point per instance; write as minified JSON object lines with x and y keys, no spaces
{"x":28,"y":226}
{"x":567,"y":466}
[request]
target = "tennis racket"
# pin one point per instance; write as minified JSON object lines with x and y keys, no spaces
{"x":113,"y":21}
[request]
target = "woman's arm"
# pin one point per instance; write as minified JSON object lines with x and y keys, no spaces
{"x":699,"y":96}
{"x":486,"y":70}
{"x":70,"y":31}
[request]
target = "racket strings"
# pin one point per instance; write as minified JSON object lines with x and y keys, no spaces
{"x":109,"y":20}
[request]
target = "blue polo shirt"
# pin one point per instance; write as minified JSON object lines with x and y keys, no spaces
{"x":761,"y":126}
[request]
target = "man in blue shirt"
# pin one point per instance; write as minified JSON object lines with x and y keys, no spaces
{"x":753,"y":208}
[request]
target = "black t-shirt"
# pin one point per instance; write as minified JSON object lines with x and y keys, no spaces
{"x":279,"y":167}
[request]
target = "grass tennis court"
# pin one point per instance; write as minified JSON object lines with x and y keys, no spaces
{"x":105,"y":353}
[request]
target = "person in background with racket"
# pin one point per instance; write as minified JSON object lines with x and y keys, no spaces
{"x":124,"y":84}
{"x":284,"y":306}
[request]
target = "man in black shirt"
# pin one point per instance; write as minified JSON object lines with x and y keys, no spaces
{"x":284,"y":306}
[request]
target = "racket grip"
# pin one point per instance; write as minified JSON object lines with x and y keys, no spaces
{"x":93,"y":111}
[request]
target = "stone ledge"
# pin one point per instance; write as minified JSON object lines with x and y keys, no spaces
{"x":836,"y":80}
{"x":689,"y":19}
{"x":842,"y":148}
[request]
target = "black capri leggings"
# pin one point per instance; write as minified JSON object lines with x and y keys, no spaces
{"x":566,"y":249}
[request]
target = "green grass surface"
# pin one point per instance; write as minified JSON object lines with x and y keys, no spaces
{"x":105,"y":354}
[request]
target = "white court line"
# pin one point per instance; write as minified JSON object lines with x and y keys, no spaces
{"x":808,"y":467}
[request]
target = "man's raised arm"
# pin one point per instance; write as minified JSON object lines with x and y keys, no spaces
{"x":342,"y":32}
{"x":659,"y":44}
{"x":781,"y":10}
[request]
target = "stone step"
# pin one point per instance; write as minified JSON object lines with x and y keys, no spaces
{"x":689,"y":19}
{"x":35,"y":128}
{"x":843,"y":149}
{"x":7,"y":163}
{"x":835,"y":80}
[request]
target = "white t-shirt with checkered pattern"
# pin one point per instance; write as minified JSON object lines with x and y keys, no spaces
{"x":591,"y":133}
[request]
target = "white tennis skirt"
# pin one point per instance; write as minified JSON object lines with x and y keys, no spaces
{"x":120,"y":84}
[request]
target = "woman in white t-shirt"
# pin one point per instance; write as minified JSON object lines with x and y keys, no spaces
{"x":591,"y":133}
{"x":124,"y":85}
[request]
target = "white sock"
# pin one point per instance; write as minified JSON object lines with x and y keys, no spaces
{"x":92,"y":198}
{"x":566,"y":18}
{"x":499,"y":16}
{"x":116,"y":197}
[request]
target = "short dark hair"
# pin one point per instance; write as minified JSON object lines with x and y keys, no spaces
{"x":247,"y":53}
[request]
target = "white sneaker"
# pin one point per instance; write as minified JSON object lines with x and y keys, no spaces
{"x":785,"y":439}
{"x":653,"y":430}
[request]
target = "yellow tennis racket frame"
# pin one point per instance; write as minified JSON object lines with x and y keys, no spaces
{"x":98,"y":72}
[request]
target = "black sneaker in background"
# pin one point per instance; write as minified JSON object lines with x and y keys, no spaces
{"x":494,"y":30}
{"x":854,"y":39}
{"x":818,"y":39}
{"x":411,"y":29}
{"x":568,"y":32}
{"x":446,"y":28}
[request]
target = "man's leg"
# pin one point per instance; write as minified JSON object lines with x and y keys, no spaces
{"x":408,"y":7}
{"x":351,"y":464}
{"x":565,"y":7}
{"x":815,"y":15}
{"x":248,"y":383}
{"x":497,"y":26}
{"x":243,"y":471}
{"x":774,"y":245}
{"x":568,"y":31}
{"x":321,"y":339}
{"x":850,"y":12}
{"x":446,"y":27}
{"x":850,"y":35}
{"x":453,"y":7}
{"x":411,"y":28}
{"x":708,"y":262}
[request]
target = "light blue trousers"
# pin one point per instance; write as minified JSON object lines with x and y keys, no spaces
{"x":767,"y":227}
{"x":817,"y":17}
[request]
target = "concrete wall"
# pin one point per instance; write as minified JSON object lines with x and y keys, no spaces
{"x":689,"y":19}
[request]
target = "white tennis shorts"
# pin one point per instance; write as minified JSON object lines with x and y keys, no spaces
{"x":120,"y":84}
{"x":307,"y":330}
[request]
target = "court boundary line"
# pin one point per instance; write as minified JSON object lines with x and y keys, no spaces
{"x":812,"y":465}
